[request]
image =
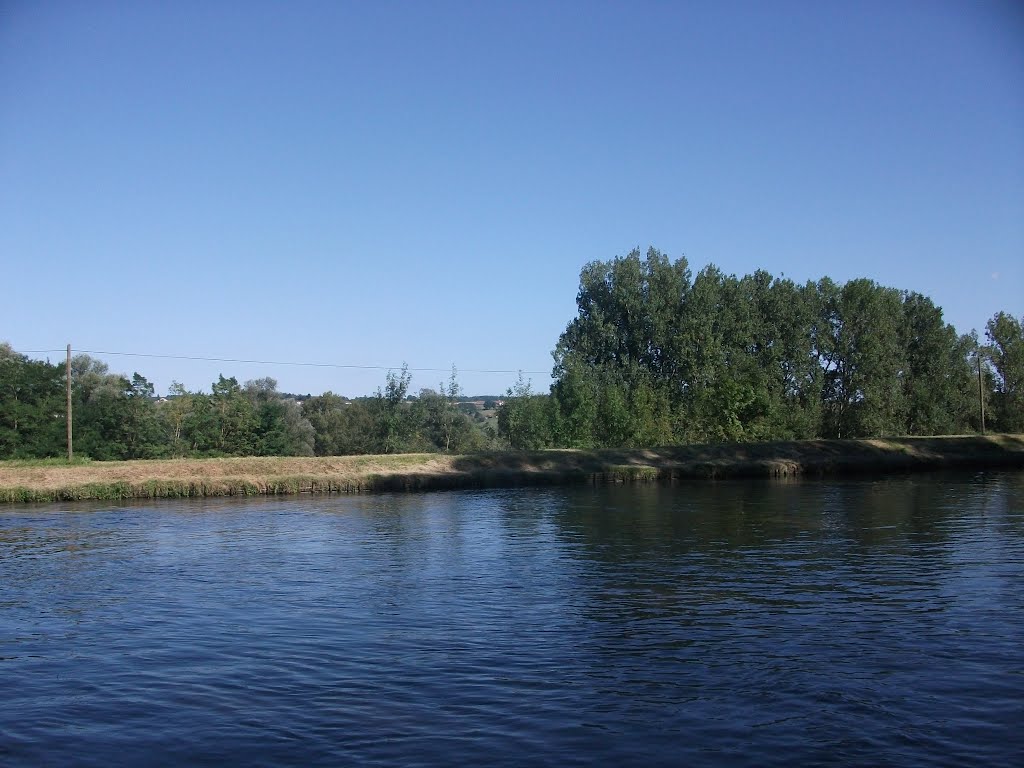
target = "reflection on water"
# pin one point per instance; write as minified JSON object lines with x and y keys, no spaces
{"x":840,"y":622}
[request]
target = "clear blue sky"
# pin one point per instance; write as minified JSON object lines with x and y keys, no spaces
{"x":378,"y":182}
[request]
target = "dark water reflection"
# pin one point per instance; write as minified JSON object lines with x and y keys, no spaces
{"x":839,"y":623}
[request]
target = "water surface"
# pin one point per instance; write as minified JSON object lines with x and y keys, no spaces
{"x":834,"y":622}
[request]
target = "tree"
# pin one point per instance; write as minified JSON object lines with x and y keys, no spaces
{"x":336,"y":424}
{"x":1006,"y":354}
{"x":392,"y":422}
{"x":937,"y":378}
{"x":524,"y":418}
{"x":324,"y":413}
{"x":232,"y":418}
{"x":651,"y":413}
{"x":143,"y":436}
{"x":626,"y":350}
{"x":281,"y":427}
{"x":612,"y":421}
{"x":443,"y":422}
{"x":859,"y":338}
{"x":716,"y":393}
{"x":785,"y":377}
{"x":113,"y":416}
{"x":174,"y":413}
{"x":575,"y":397}
{"x":450,"y":416}
{"x":32,"y":408}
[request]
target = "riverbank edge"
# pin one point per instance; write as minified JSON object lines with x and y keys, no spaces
{"x":191,"y":478}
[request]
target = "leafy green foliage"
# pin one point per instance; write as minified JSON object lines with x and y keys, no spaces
{"x":1006,"y":355}
{"x":442,"y":422}
{"x":281,"y":427}
{"x":114,"y":417}
{"x":524,"y":420}
{"x":32,"y":407}
{"x":655,"y":356}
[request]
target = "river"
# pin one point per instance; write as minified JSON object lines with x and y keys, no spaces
{"x":832,"y":622}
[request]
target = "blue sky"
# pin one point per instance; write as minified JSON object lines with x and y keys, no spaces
{"x":387,"y":182}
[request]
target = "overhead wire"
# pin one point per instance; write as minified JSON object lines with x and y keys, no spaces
{"x":347,"y":366}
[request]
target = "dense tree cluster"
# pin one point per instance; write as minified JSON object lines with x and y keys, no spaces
{"x":657,"y":356}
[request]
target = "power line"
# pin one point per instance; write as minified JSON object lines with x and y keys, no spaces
{"x":348,"y":366}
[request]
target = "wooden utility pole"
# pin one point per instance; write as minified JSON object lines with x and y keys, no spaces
{"x":981,"y":394}
{"x":68,"y":376}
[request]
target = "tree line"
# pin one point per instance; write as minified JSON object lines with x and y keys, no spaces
{"x":655,"y":356}
{"x":115,"y":417}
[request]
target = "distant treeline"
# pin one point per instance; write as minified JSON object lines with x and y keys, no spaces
{"x":114,"y":417}
{"x":654,"y":357}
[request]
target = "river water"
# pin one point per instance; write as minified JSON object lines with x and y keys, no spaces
{"x":837,"y":622}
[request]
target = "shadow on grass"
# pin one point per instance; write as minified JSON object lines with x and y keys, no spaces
{"x":772,"y":459}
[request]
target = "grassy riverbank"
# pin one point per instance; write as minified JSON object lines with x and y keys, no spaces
{"x":55,"y":480}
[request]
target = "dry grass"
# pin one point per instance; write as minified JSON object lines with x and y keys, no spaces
{"x":252,"y":469}
{"x":51,"y":480}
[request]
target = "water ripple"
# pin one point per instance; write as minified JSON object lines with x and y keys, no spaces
{"x":840,"y":623}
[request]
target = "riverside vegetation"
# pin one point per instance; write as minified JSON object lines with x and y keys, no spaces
{"x":654,"y":357}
